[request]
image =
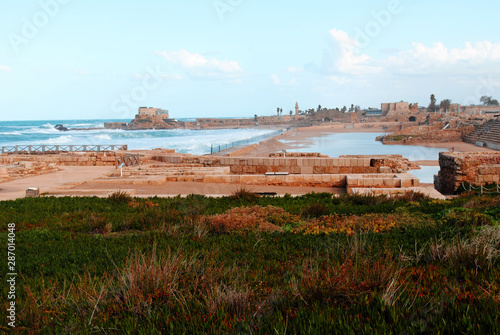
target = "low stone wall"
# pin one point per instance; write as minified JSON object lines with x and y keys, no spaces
{"x":479,"y":168}
{"x":73,"y":159}
{"x":241,"y":165}
{"x":26,"y":169}
{"x":297,"y":165}
{"x":402,"y":180}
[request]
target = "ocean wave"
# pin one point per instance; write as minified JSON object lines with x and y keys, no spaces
{"x":12,"y":133}
{"x":103,"y":137}
{"x":61,"y":140}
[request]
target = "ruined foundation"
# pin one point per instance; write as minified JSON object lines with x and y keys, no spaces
{"x":479,"y":168}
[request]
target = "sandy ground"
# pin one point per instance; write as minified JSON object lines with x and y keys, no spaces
{"x":79,"y":180}
{"x":68,"y":176}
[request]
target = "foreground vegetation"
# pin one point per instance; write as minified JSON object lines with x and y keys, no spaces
{"x":246,"y":264}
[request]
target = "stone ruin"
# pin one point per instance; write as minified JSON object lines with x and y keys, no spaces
{"x":458,"y":169}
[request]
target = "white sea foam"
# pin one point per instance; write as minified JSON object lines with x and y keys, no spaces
{"x":60,"y":140}
{"x":103,"y":137}
{"x":11,"y":133}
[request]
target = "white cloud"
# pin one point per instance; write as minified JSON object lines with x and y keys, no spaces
{"x":479,"y":58}
{"x":199,"y":66}
{"x":345,"y":56}
{"x":344,"y":62}
{"x":5,"y":68}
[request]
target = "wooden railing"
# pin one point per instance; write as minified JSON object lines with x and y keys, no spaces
{"x":127,"y":160}
{"x":55,"y":149}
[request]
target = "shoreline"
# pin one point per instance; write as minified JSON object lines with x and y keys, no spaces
{"x":305,"y":136}
{"x":75,"y":180}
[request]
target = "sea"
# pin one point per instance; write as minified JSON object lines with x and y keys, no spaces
{"x":196,"y":142}
{"x":200,"y":142}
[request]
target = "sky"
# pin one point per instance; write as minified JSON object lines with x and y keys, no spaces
{"x":88,"y":59}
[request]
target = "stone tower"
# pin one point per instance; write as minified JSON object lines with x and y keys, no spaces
{"x":296,"y":109}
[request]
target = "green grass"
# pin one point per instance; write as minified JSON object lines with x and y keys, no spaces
{"x":151,"y":266}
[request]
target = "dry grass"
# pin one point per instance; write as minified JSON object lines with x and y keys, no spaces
{"x":475,"y":253}
{"x":245,"y":194}
{"x":149,"y":280}
{"x":360,"y":270}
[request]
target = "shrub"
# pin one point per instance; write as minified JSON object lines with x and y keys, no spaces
{"x":120,"y":196}
{"x":348,"y":224}
{"x":244,"y":194}
{"x":464,"y":218}
{"x":314,"y":210}
{"x":259,"y":218}
{"x":411,"y":196}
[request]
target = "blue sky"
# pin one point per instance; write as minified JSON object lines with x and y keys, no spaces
{"x":79,"y":59}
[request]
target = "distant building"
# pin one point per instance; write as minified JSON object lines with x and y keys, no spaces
{"x":373,"y":112}
{"x":150,"y":111}
{"x":395,"y":108}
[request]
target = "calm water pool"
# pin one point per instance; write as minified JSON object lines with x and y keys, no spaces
{"x":338,"y":144}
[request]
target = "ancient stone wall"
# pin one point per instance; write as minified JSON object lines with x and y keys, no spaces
{"x":24,"y":169}
{"x":70,"y":159}
{"x":475,"y":168}
{"x":297,"y":165}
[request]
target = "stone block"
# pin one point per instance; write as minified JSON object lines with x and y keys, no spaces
{"x":384,"y":169}
{"x":299,"y":178}
{"x":353,"y":181}
{"x":367,"y":182}
{"x":389,"y":182}
{"x":32,"y":192}
{"x":326,"y":178}
{"x":358,"y":169}
{"x":346,"y":170}
{"x":211,"y":179}
{"x":309,"y":178}
{"x":249,"y":179}
{"x":307,"y":170}
{"x":233,"y":179}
